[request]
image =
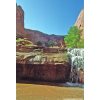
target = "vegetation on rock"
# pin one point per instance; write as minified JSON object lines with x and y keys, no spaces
{"x":23,"y":42}
{"x":73,"y":38}
{"x":51,"y":43}
{"x":39,"y":43}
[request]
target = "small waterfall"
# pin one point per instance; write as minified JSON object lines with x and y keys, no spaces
{"x":76,"y":58}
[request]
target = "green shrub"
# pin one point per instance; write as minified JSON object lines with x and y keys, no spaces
{"x":73,"y":38}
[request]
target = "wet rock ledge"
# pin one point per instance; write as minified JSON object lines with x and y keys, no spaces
{"x":43,"y":72}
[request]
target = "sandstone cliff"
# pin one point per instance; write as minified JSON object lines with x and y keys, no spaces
{"x":19,"y":20}
{"x":32,"y":35}
{"x":36,"y":36}
{"x":80,"y":22}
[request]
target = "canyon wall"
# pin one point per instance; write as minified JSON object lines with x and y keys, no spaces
{"x":80,"y":22}
{"x":32,"y":35}
{"x":19,"y":20}
{"x":43,"y":72}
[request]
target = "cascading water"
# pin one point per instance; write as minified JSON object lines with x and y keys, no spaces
{"x":76,"y":58}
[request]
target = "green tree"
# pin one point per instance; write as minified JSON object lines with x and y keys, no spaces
{"x":46,"y":44}
{"x":39,"y":43}
{"x":51,"y":43}
{"x":72,"y":39}
{"x":80,"y":43}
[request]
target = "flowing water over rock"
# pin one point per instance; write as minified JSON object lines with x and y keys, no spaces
{"x":76,"y":58}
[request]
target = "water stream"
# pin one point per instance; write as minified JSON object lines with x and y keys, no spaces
{"x":76,"y":58}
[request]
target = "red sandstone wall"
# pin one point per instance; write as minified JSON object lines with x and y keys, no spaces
{"x":43,"y":72}
{"x":23,"y":49}
{"x":19,"y":20}
{"x":32,"y":35}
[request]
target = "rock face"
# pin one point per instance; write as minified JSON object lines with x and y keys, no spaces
{"x":36,"y":36}
{"x":19,"y":20}
{"x":80,"y":22}
{"x":32,"y":35}
{"x":43,"y":72}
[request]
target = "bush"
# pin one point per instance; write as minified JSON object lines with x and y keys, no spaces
{"x":73,"y":38}
{"x":39,"y":43}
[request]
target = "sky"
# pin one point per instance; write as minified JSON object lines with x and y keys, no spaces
{"x":50,"y":16}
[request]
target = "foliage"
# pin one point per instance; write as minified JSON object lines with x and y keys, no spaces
{"x":80,"y":43}
{"x":47,"y":44}
{"x":39,"y":43}
{"x":19,"y":40}
{"x":23,"y":42}
{"x":51,"y":43}
{"x":73,"y":38}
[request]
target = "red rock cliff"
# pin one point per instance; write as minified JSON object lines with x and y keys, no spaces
{"x":32,"y":35}
{"x":19,"y":20}
{"x":80,"y":22}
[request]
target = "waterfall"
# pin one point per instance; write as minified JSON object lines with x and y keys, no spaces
{"x":76,"y":58}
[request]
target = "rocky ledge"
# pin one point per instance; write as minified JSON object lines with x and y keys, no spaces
{"x":43,"y":72}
